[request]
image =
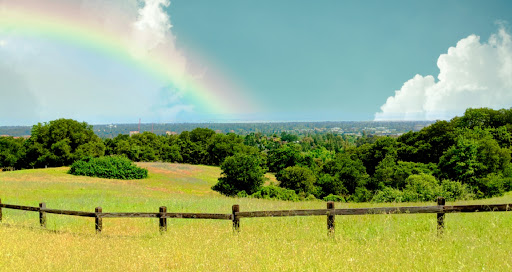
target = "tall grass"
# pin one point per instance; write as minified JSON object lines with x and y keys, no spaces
{"x":471,"y":242}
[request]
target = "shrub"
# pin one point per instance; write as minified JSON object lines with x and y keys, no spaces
{"x":388,"y":194}
{"x":335,"y":198}
{"x":422,"y":187}
{"x":112,"y":167}
{"x":493,"y":185}
{"x":274,"y":192}
{"x":361,"y":194}
{"x":454,"y":190}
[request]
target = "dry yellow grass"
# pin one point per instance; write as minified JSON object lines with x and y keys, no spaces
{"x":472,"y":242}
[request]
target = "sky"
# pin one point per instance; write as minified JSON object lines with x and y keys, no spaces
{"x":180,"y":61}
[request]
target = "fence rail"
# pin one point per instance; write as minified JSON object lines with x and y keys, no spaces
{"x":440,"y":209}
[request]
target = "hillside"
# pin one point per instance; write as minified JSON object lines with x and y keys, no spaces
{"x":371,"y":242}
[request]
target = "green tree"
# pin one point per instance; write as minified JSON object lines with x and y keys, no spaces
{"x":12,"y":152}
{"x":62,"y":141}
{"x":240,"y":172}
{"x":298,"y":178}
{"x":285,"y":156}
{"x":475,"y":155}
{"x":342,"y":175}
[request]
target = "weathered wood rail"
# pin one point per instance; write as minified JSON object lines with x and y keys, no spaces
{"x":440,"y":209}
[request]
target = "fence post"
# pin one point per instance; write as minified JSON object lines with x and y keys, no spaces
{"x":162,"y":221}
{"x":98,"y":220}
{"x":42,"y":214}
{"x":440,"y":216}
{"x":0,"y":211}
{"x":236,"y":220}
{"x":330,"y":218}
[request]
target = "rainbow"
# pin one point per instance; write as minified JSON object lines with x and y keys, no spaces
{"x":60,"y":24}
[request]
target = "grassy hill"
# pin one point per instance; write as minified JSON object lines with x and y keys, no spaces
{"x":362,"y":243}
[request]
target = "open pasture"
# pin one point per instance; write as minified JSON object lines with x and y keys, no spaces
{"x":471,"y":242}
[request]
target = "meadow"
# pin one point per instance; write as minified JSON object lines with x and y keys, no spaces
{"x":471,"y":242}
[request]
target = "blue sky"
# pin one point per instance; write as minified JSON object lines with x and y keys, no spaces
{"x":313,"y":60}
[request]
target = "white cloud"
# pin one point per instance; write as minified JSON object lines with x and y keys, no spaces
{"x":471,"y":74}
{"x":2,"y":43}
{"x":153,"y":25}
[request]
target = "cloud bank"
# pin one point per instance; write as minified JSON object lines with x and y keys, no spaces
{"x":471,"y":74}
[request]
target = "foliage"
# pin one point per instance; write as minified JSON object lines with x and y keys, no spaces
{"x":471,"y":151}
{"x":240,"y":172}
{"x":275,"y":192}
{"x":111,"y":167}
{"x":61,"y":142}
{"x":298,"y":178}
{"x":342,"y":176}
{"x":334,"y":198}
{"x":424,"y":187}
{"x":12,"y":152}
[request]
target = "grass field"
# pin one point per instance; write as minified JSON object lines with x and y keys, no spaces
{"x":471,"y":242}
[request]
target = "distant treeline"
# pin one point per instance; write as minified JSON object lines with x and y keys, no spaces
{"x":112,"y":130}
{"x":466,"y":157}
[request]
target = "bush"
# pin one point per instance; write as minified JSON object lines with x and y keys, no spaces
{"x":493,"y":185}
{"x":454,"y":190}
{"x":274,"y":192}
{"x":422,"y":187}
{"x":388,"y":194}
{"x":335,"y":198}
{"x":112,"y":167}
{"x":361,"y":195}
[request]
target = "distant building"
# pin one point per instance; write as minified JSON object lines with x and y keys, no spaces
{"x":134,"y":132}
{"x":171,"y":133}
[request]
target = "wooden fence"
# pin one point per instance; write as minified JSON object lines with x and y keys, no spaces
{"x":440,"y":209}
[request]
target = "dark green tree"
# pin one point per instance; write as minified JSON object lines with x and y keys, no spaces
{"x":61,"y":142}
{"x":240,"y":172}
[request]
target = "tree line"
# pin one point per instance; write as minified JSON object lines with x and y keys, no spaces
{"x":466,"y":157}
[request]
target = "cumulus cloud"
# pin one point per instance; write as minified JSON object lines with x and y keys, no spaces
{"x":153,"y":25}
{"x":471,"y":74}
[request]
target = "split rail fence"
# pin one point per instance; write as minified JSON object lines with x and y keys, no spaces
{"x":440,"y":209}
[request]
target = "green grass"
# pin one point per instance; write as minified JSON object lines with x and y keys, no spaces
{"x":471,"y":242}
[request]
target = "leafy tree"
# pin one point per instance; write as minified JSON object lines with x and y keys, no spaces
{"x":12,"y":152}
{"x":342,"y":176}
{"x":285,"y":156}
{"x":62,"y":141}
{"x":298,"y":178}
{"x":223,"y":146}
{"x":475,"y":155}
{"x":427,"y":145}
{"x":240,"y":172}
{"x":372,"y":155}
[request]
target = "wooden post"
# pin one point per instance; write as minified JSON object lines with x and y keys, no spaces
{"x":440,"y":216}
{"x":236,"y":220}
{"x":0,"y":211}
{"x":42,"y":214}
{"x":330,"y":218}
{"x":98,"y":220}
{"x":162,"y":221}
